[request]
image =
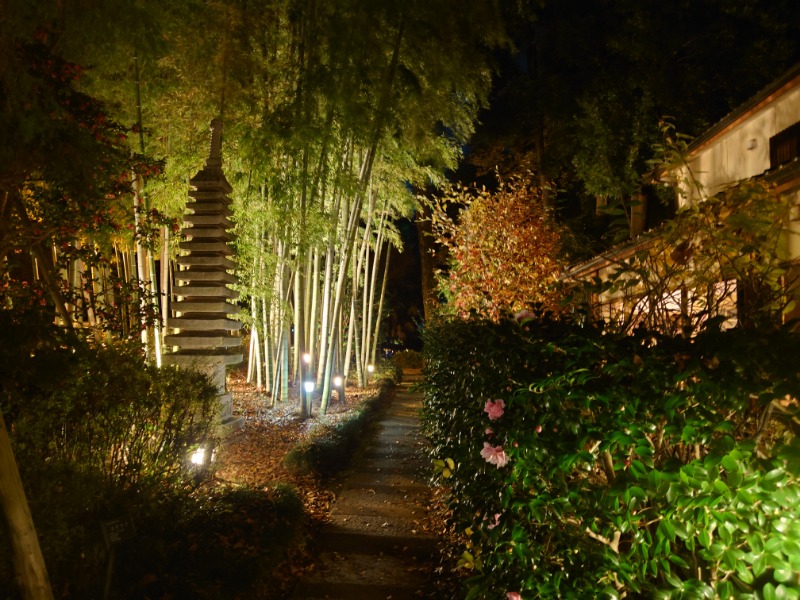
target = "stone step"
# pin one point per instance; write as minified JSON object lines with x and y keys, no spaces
{"x":405,"y":482}
{"x":327,"y":590}
{"x":375,"y":545}
{"x":337,"y":539}
{"x":404,"y":451}
{"x":355,"y":576}
{"x":402,"y":459}
{"x":229,"y":425}
{"x":369,"y":502}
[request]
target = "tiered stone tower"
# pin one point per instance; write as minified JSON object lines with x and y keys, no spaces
{"x":203,"y":334}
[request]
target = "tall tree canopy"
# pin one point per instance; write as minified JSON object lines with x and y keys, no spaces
{"x":332,"y":111}
{"x":580,"y":97}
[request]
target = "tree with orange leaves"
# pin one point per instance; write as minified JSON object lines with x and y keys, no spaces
{"x":503,"y":247}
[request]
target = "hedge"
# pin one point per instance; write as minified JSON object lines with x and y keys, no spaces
{"x":581,"y":463}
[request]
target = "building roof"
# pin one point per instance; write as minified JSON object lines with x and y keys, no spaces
{"x":788,"y":80}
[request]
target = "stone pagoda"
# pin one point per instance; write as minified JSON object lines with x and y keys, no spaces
{"x":203,"y":334}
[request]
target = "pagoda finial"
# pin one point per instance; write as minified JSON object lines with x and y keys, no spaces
{"x":215,"y":157}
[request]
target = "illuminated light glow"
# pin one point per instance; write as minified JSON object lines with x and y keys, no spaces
{"x":370,"y":368}
{"x":337,"y":381}
{"x":307,"y":358}
{"x":199,"y":456}
{"x":308,"y":386}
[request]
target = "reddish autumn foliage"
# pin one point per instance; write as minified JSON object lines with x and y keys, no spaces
{"x":503,"y":247}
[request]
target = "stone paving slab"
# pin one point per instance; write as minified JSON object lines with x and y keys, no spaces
{"x":379,"y":525}
{"x":349,"y":591}
{"x":356,"y":503}
{"x":349,"y":542}
{"x":401,"y":477}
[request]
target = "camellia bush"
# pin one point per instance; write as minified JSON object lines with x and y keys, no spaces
{"x":584,"y":463}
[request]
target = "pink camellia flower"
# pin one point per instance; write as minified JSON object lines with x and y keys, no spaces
{"x":494,"y":408}
{"x":489,"y":431}
{"x":524,"y":315}
{"x":494,"y":455}
{"x":513,"y":596}
{"x":496,"y":521}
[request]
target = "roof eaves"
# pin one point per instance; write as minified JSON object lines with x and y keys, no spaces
{"x":778,"y":87}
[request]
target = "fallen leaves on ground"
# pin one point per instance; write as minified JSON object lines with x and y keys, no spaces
{"x":253,"y":456}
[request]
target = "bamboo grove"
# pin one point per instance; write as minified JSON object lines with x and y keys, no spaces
{"x":335,"y":113}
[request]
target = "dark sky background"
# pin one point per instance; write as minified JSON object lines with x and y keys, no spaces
{"x":404,"y":290}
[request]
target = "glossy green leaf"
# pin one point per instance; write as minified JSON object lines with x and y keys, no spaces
{"x":784,"y":575}
{"x":704,"y":537}
{"x":720,"y":487}
{"x":786,"y":593}
{"x":730,"y":464}
{"x":756,"y":543}
{"x":759,"y":565}
{"x":768,"y":592}
{"x":677,"y":560}
{"x":743,"y":572}
{"x":725,"y":589}
{"x":791,"y":547}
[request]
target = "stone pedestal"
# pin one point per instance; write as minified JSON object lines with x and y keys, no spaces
{"x":203,"y":333}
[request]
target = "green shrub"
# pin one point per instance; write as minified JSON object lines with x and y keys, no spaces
{"x":97,"y":433}
{"x":213,"y":545}
{"x":636,"y":465}
{"x":408,"y":359}
{"x":387,"y":371}
{"x":331,"y":447}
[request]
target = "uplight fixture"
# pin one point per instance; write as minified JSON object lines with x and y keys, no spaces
{"x":198,"y":456}
{"x":338,"y":385}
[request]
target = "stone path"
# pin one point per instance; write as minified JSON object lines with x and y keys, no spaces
{"x":374,"y":546}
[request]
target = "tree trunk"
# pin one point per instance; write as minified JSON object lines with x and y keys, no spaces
{"x":375,"y":337}
{"x":426,"y":259}
{"x":46,"y":267}
{"x":371,"y":336}
{"x":29,"y":566}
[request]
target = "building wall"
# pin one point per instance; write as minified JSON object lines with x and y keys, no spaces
{"x":742,"y":151}
{"x":735,"y":149}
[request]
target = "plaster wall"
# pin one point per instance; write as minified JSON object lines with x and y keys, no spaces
{"x":743,"y":150}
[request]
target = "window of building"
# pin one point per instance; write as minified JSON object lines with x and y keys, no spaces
{"x":784,"y":146}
